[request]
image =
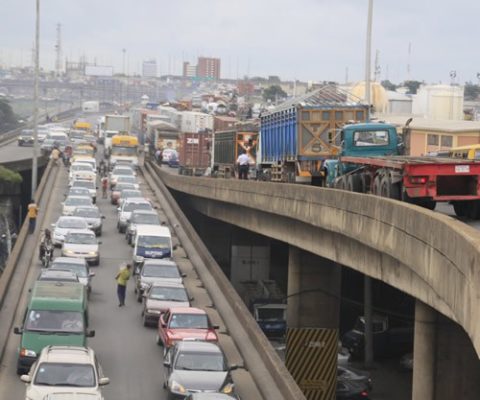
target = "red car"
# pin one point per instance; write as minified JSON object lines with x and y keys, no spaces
{"x":180,"y":323}
{"x":116,"y":191}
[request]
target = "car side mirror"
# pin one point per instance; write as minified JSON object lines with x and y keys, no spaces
{"x":183,"y":275}
{"x":90,"y":333}
{"x":233,"y":367}
{"x":91,"y":274}
{"x":26,"y":378}
{"x":103,"y":381}
{"x":216,"y":327}
{"x":17,"y":330}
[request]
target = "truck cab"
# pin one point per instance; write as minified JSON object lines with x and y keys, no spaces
{"x":362,"y":140}
{"x":271,"y":317}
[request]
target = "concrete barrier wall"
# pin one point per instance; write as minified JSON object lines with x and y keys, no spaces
{"x":425,"y":254}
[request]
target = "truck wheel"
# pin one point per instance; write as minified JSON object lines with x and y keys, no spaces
{"x":355,"y":183}
{"x":389,"y":189}
{"x":460,"y":208}
{"x":473,"y":209}
{"x":376,"y":187}
{"x":341,"y":183}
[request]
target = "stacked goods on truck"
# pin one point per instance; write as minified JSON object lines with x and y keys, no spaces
{"x":124,"y":150}
{"x":194,"y":153}
{"x":193,"y":122}
{"x":162,"y":135}
{"x":298,"y":135}
{"x":267,"y":304}
{"x":91,"y":106}
{"x":371,"y":160}
{"x":228,"y":145}
{"x":119,"y":123}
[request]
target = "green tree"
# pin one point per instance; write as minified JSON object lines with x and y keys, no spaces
{"x":471,"y":91}
{"x":389,"y":85}
{"x":274,"y":93}
{"x":8,"y":119}
{"x":412,"y":86}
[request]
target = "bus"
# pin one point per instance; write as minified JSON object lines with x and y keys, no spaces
{"x":124,"y":150}
{"x":471,"y":152}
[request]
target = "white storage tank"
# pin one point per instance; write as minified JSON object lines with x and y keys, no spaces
{"x":444,"y":102}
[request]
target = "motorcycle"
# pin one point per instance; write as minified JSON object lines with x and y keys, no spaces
{"x":47,"y":255}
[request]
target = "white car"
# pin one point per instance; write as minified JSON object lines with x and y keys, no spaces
{"x":128,"y":206}
{"x":82,"y":244}
{"x":64,"y":225}
{"x":83,"y":176}
{"x":120,"y":170}
{"x":90,"y":185}
{"x":79,"y":167}
{"x":62,"y":369}
{"x":88,"y":160}
{"x":72,"y":202}
{"x":128,"y":179}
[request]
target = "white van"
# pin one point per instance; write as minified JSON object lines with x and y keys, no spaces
{"x":151,"y":241}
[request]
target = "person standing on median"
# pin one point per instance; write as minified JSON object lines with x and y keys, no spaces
{"x":32,"y":216}
{"x":243,"y":164}
{"x":122,"y":277}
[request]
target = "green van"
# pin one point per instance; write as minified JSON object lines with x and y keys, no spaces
{"x":57,"y":314}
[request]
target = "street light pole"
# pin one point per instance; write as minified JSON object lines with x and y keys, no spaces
{"x":35,"y":100}
{"x":367,"y":287}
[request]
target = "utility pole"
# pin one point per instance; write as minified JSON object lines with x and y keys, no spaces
{"x":35,"y":100}
{"x":367,"y":285}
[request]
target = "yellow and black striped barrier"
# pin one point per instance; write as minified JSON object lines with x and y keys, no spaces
{"x":311,"y":359}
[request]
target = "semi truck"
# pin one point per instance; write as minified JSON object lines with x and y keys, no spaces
{"x":267,"y":303}
{"x":124,"y":150}
{"x":371,"y":161}
{"x":228,"y":145}
{"x":298,"y":135}
{"x":194,"y":153}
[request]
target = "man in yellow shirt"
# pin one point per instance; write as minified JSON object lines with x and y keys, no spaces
{"x":55,"y":155}
{"x":122,"y":277}
{"x":32,"y":216}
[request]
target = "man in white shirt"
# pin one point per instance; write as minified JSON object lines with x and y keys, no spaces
{"x":243,"y":164}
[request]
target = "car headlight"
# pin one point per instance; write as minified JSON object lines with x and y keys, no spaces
{"x":176,"y":387}
{"x":92,"y":253}
{"x":68,"y":252}
{"x":149,"y":311}
{"x":144,"y":285}
{"x":27,"y":353}
{"x":228,"y":388}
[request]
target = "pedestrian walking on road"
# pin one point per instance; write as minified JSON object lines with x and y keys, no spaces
{"x":32,"y":216}
{"x":243,"y":164}
{"x":122,"y":277}
{"x":104,"y":187}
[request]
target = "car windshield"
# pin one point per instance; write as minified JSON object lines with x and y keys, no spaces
{"x":55,"y":321}
{"x":145,"y":219}
{"x":271,"y":314}
{"x":126,"y":178}
{"x":137,"y":206}
{"x":65,"y":374}
{"x":123,"y":171}
{"x":72,"y":223}
{"x":153,"y":242}
{"x":82,"y":167}
{"x":200,"y":362}
{"x":78,"y":201}
{"x":79,"y":192}
{"x":126,"y":193}
{"x":80,"y":238}
{"x":80,"y":270}
{"x":123,"y":185}
{"x":84,"y":184}
{"x":87,"y":212}
{"x":189,"y":321}
{"x":168,"y":293}
{"x":124,"y":151}
{"x":160,"y":271}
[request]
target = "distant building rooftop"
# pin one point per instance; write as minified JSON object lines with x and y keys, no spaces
{"x":436,"y":125}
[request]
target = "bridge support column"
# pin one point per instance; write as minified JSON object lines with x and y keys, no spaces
{"x":445,"y":363}
{"x":313,"y":291}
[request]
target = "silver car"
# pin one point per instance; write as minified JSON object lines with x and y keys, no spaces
{"x":78,"y":266}
{"x":82,"y":244}
{"x":72,"y":202}
{"x":64,"y":225}
{"x":92,"y":216}
{"x":90,"y":185}
{"x":159,"y":297}
{"x":127,"y":208}
{"x":156,"y":271}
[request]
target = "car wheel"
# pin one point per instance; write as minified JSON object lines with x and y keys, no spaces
{"x":100,"y":232}
{"x":139,"y":297}
{"x":145,"y":323}
{"x":135,"y":290}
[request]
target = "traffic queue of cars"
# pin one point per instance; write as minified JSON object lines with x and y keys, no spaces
{"x":54,"y":359}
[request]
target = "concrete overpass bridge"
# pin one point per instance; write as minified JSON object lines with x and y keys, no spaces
{"x":427,"y":255}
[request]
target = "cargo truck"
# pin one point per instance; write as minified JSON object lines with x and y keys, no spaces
{"x":298,"y":135}
{"x":228,"y":145}
{"x":119,"y":123}
{"x":371,"y":161}
{"x":124,"y":150}
{"x":163,"y":135}
{"x":267,"y":305}
{"x":194,"y":153}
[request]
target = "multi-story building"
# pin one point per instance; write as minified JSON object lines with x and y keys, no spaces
{"x":189,"y":71}
{"x":208,"y":68}
{"x":149,"y":69}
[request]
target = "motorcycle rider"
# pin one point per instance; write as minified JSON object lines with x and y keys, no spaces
{"x":46,"y":244}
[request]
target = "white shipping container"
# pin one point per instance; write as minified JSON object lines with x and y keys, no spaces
{"x":194,"y":122}
{"x":120,"y":123}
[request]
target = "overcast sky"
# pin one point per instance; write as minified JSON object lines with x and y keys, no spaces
{"x":303,"y":39}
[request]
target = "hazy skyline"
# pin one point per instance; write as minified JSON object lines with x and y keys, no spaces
{"x":305,"y":39}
